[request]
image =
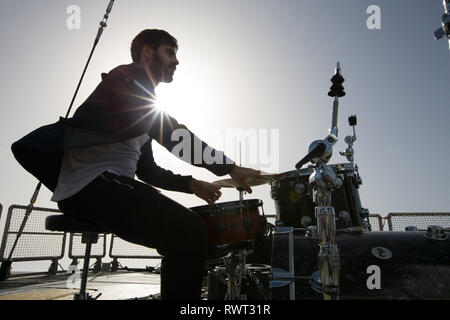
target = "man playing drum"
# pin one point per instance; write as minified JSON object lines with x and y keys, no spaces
{"x":90,"y":160}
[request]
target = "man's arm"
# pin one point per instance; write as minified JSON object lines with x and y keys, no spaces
{"x":149,"y":172}
{"x":184,"y":144}
{"x":193,"y":150}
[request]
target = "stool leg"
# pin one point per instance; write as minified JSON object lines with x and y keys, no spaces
{"x":85,"y":271}
{"x":88,"y":238}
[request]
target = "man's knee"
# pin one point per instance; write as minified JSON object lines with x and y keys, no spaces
{"x":197,"y":233}
{"x":201,"y":230}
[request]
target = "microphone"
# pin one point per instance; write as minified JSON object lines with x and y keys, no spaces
{"x":314,"y":153}
{"x":104,"y":20}
{"x":110,"y":6}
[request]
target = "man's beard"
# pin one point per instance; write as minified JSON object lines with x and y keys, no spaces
{"x":161,"y":70}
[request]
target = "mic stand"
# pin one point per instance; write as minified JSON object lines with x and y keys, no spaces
{"x":6,"y":265}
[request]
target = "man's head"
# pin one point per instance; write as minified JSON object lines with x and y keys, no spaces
{"x":155,"y":50}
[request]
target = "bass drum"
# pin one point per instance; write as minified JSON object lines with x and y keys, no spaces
{"x":294,"y":205}
{"x":374,"y":265}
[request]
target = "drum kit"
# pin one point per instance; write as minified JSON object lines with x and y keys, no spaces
{"x":310,"y":252}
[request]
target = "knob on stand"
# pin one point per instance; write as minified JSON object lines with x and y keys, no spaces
{"x":336,"y":91}
{"x":349,"y":152}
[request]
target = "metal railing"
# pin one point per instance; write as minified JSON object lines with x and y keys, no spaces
{"x":376,"y":222}
{"x":398,"y":221}
{"x":37,"y":243}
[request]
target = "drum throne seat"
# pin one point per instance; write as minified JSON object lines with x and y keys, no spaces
{"x":89,"y":233}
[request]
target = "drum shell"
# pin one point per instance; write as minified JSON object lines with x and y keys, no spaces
{"x":232,"y":222}
{"x":292,"y":204}
{"x":418,"y":269}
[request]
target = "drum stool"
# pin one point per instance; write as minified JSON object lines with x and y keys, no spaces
{"x":89,"y":233}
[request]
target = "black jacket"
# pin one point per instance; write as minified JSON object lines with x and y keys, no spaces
{"x":120,"y":108}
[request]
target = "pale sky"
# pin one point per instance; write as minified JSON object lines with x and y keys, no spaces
{"x":263,"y":66}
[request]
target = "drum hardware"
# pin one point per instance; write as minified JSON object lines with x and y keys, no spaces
{"x":436,"y":233}
{"x":315,"y":283}
{"x":306,"y":221}
{"x":236,"y":274}
{"x":280,"y":277}
{"x":241,"y":194}
{"x":323,"y":181}
{"x":345,"y":217}
{"x":233,"y":231}
{"x":364,"y":213}
{"x":251,"y":181}
{"x":311,"y":232}
{"x":349,"y":152}
{"x":445,"y":29}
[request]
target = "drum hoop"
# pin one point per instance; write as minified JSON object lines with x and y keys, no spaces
{"x":294,"y":174}
{"x":221,"y":208}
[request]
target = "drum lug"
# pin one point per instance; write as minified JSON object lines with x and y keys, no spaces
{"x":436,"y":233}
{"x":312,"y":232}
{"x":364,"y":213}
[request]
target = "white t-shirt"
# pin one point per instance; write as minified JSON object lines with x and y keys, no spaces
{"x":82,"y":165}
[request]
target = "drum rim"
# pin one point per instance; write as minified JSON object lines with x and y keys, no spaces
{"x":305,"y":172}
{"x":293,"y":174}
{"x":250,"y":203}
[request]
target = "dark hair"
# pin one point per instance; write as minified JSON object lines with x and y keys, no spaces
{"x":153,"y":38}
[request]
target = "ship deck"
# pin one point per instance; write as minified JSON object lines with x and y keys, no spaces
{"x":117,"y":285}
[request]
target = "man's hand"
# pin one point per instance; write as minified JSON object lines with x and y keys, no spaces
{"x":205,"y":190}
{"x":240,"y":174}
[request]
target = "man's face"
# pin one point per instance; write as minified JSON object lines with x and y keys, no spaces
{"x":162,"y":63}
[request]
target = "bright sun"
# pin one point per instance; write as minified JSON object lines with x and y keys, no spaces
{"x":181,"y":100}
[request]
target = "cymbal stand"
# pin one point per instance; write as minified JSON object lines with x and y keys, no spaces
{"x":323,"y":181}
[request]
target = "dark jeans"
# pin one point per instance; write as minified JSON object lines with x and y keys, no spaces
{"x":138,"y":213}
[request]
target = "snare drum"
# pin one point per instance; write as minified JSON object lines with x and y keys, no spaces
{"x":233,"y":223}
{"x":293,"y":196}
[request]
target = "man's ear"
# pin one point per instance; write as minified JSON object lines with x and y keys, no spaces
{"x":147,"y":51}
